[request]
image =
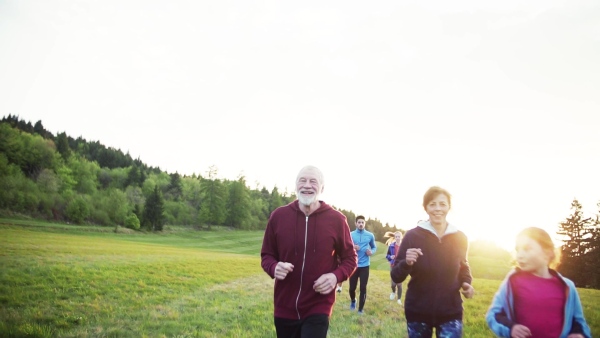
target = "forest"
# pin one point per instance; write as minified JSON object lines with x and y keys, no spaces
{"x":61,"y":178}
{"x":76,"y":181}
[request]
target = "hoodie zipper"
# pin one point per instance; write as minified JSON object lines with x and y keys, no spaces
{"x":302,"y":270}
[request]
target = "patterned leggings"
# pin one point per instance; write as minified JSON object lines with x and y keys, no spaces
{"x":451,"y":329}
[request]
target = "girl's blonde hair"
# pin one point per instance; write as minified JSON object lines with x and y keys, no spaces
{"x":543,"y":239}
{"x":390,"y":235}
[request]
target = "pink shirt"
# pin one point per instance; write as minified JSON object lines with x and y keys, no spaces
{"x":539,"y":304}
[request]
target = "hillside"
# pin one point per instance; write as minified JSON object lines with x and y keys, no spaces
{"x":76,"y":181}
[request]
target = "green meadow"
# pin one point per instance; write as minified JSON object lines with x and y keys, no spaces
{"x":61,"y":280}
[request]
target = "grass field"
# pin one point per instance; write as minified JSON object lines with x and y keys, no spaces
{"x":83,"y":281}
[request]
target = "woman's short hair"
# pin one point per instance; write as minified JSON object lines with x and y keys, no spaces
{"x":432,"y":193}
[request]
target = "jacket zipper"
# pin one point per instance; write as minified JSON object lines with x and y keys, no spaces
{"x":302,"y":271}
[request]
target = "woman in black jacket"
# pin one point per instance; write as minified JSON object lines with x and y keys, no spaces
{"x":434,"y":254}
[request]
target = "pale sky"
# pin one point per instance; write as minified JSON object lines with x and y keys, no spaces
{"x":496,"y":101}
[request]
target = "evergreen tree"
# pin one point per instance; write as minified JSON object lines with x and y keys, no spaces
{"x":154,"y":210}
{"x":593,"y":254}
{"x":175,"y":187}
{"x":573,"y":232}
{"x":62,"y":145}
{"x":39,"y":128}
{"x":143,"y":177}
{"x":133,"y":177}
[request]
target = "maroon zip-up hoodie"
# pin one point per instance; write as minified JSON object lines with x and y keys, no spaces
{"x":313,"y":245}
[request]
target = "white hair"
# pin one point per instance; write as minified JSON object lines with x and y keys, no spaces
{"x":316,"y":170}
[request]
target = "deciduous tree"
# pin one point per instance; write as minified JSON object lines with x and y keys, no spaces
{"x":213,"y":207}
{"x":238,"y":204}
{"x":78,"y":209}
{"x":275,"y":199}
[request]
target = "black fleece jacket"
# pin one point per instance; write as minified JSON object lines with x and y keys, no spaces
{"x":433,"y":293}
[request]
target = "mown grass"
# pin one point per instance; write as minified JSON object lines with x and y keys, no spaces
{"x":70,"y":281}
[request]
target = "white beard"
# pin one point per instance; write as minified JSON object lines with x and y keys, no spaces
{"x":305,"y":200}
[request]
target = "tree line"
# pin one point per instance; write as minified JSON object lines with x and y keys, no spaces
{"x":60,"y":178}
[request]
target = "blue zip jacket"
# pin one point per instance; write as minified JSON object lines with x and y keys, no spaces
{"x":365,"y":240}
{"x":391,"y":252}
{"x":501,"y":318}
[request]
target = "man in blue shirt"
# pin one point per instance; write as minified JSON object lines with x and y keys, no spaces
{"x":364,"y":244}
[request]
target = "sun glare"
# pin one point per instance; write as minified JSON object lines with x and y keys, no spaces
{"x":502,"y":240}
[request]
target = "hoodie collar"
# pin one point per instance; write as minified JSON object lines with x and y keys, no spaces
{"x":450,"y":229}
{"x":324,"y":206}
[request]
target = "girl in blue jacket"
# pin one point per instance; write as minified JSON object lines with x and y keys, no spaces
{"x":535,"y":300}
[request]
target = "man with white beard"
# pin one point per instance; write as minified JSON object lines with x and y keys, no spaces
{"x":307,"y":249}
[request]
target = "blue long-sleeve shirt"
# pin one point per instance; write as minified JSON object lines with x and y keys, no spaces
{"x":365,"y":240}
